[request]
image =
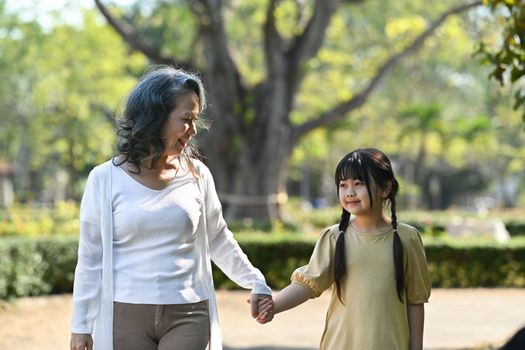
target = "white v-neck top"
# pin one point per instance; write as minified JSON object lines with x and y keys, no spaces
{"x":154,"y":250}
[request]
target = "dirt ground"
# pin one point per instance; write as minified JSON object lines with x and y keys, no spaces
{"x":455,"y":319}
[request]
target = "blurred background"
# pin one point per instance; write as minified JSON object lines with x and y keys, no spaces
{"x":282,"y":114}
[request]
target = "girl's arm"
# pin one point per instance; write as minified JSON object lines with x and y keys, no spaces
{"x":416,"y":321}
{"x":308,"y":281}
{"x":291,"y":296}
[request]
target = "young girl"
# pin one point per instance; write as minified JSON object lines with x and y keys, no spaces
{"x":377,"y":266}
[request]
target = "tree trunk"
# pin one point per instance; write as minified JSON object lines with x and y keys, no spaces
{"x":250,"y":164}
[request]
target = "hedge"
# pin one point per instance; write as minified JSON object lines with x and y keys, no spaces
{"x":39,"y":266}
{"x":46,"y":265}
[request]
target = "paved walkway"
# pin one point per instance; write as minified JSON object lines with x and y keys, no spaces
{"x":455,"y":319}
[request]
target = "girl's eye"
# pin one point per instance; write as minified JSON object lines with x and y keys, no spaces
{"x":358,"y":183}
{"x":342,"y":184}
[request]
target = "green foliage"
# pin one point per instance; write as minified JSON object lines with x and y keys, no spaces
{"x":62,"y":219}
{"x":36,"y":266}
{"x":55,"y":88}
{"x":88,"y":74}
{"x":476,"y":264}
{"x":174,"y":30}
{"x":508,"y":57}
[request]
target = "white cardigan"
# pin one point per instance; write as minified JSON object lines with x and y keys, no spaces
{"x":93,"y":286}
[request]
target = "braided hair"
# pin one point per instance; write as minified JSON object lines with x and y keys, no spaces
{"x":367,"y":165}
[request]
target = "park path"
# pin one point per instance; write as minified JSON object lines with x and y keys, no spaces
{"x":455,"y":319}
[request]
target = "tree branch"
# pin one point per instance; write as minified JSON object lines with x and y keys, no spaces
{"x":133,"y":39}
{"x":273,"y":42}
{"x":338,"y":112}
{"x":222,"y":74}
{"x":208,"y":13}
{"x":307,"y":44}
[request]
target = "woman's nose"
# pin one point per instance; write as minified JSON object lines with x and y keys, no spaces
{"x":192,"y":129}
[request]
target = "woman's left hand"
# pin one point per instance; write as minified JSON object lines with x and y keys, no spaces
{"x":261,"y":307}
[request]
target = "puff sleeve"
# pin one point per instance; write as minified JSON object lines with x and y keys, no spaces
{"x":416,"y":270}
{"x":317,"y":276}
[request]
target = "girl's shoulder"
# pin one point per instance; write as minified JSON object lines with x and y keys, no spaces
{"x":330,"y":232}
{"x":408,"y":233}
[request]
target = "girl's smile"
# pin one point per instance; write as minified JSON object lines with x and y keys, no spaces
{"x":353,"y":195}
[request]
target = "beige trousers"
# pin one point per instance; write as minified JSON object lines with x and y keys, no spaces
{"x":161,"y":327}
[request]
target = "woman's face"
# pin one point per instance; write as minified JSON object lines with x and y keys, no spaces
{"x":180,"y":126}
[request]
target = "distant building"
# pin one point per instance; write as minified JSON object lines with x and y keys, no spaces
{"x":7,"y":195}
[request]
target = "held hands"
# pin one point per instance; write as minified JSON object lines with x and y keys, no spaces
{"x":262,"y":307}
{"x":266,"y":310}
{"x":81,"y":342}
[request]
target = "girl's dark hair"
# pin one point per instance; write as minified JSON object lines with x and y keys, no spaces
{"x":368,"y":165}
{"x":146,"y":110}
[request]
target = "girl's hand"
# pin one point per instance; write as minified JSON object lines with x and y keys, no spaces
{"x":266,"y":311}
{"x":81,"y":342}
{"x":262,"y":307}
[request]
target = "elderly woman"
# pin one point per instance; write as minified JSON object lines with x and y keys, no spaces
{"x":150,"y":225}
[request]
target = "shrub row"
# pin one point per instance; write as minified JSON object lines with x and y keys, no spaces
{"x":36,"y":266}
{"x":482,"y":264}
{"x":46,"y":265}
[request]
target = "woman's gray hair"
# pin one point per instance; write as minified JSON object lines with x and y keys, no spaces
{"x":146,"y":110}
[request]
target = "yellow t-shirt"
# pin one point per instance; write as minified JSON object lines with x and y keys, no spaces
{"x":372,"y":317}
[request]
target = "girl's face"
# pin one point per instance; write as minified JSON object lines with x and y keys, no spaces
{"x":180,"y":126}
{"x":354,"y":198}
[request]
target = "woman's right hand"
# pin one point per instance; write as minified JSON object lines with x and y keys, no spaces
{"x":81,"y":342}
